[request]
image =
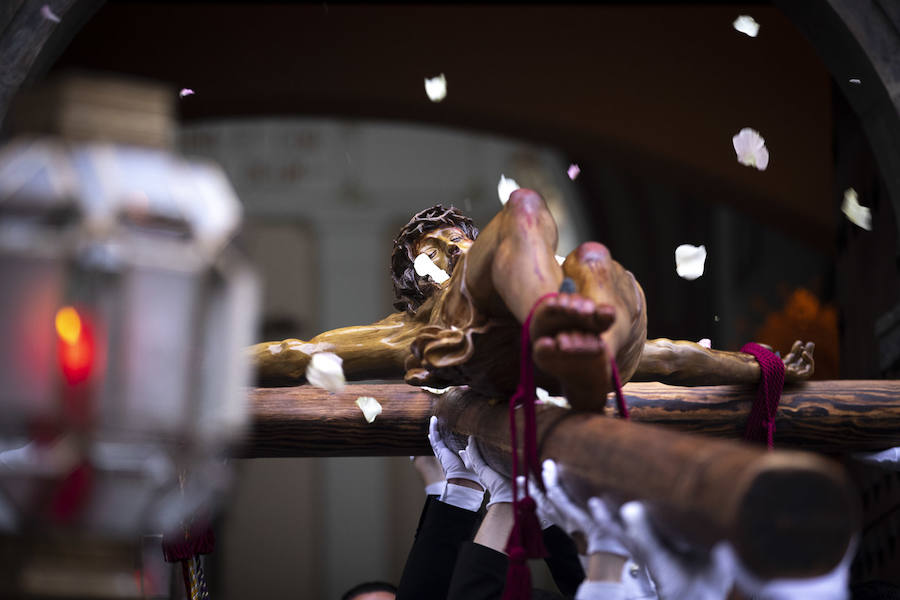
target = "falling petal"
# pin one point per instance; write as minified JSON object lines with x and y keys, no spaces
{"x":573,"y":171}
{"x":560,"y":259}
{"x":750,"y":148}
{"x":324,"y":371}
{"x":48,"y":13}
{"x":432,"y":390}
{"x":369,"y":406}
{"x":275,"y":348}
{"x":185,"y":92}
{"x":689,"y":261}
{"x":544,"y":397}
{"x":436,"y":88}
{"x":762,"y":158}
{"x":505,"y":188}
{"x":746,"y":24}
{"x":424,"y":266}
{"x":856,"y":81}
{"x":705,"y":342}
{"x":856,"y":213}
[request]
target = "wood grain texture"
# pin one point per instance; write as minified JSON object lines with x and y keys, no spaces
{"x":308,"y":421}
{"x":828,"y":416}
{"x":787,"y":513}
{"x":832,"y":416}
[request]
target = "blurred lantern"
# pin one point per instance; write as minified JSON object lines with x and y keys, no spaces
{"x":124,"y":311}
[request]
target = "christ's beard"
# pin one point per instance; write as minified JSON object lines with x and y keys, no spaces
{"x":451,"y":264}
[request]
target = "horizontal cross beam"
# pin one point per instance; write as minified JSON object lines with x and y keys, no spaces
{"x":787,"y":513}
{"x":829,"y":416}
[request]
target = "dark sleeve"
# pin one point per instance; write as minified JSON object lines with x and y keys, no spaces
{"x":480,"y":573}
{"x":562,"y":560}
{"x":442,"y":529}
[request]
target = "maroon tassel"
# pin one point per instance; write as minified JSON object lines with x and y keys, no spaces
{"x":529,"y":528}
{"x":518,"y":577}
{"x":526,"y":540}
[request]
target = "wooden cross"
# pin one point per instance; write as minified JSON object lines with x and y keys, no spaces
{"x":788,"y":513}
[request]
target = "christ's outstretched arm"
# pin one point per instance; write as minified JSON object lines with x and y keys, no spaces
{"x":376,"y":351}
{"x":686,"y":363}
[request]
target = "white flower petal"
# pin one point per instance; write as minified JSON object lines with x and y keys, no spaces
{"x":560,"y":259}
{"x":856,"y":213}
{"x":543,"y":397}
{"x":573,"y":171}
{"x":324,"y":371}
{"x":436,"y":88}
{"x":559,"y":401}
{"x":705,"y":342}
{"x":746,"y":24}
{"x":689,"y":261}
{"x":856,"y":81}
{"x":432,"y":390}
{"x":506,"y":187}
{"x":425,"y":266}
{"x":275,"y":348}
{"x":185,"y":92}
{"x":369,"y":406}
{"x":48,"y":13}
{"x":762,"y":158}
{"x":750,"y":148}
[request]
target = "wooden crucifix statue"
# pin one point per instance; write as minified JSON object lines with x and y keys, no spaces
{"x":466,"y":330}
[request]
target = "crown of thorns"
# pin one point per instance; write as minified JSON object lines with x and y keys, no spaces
{"x":412,"y":290}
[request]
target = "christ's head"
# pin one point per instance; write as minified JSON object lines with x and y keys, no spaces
{"x":444,"y":235}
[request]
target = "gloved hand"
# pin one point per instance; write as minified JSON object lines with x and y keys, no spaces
{"x":601,"y":536}
{"x":546,"y":512}
{"x":888,"y":459}
{"x":454,"y":468}
{"x":704,"y":576}
{"x":498,"y":486}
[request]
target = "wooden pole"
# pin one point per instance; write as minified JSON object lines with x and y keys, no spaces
{"x":829,"y":416}
{"x":787,"y":513}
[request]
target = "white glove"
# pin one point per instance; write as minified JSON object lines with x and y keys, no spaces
{"x":601,"y":536}
{"x":453,"y":466}
{"x":677,"y":576}
{"x":888,"y":459}
{"x":601,"y":590}
{"x":499,"y":487}
{"x":546,"y":512}
{"x":831,"y":586}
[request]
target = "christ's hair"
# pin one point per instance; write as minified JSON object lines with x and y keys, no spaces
{"x":410,"y":289}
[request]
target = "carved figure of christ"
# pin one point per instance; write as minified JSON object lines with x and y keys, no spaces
{"x":465,"y":330}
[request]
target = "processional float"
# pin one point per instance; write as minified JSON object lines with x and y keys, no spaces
{"x":788,"y":513}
